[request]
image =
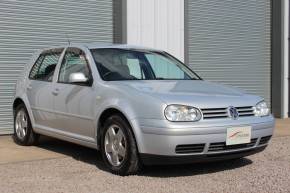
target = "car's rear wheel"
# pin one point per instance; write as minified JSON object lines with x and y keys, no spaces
{"x":23,"y":132}
{"x":118,"y":146}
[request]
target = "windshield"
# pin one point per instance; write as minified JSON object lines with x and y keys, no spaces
{"x":123,"y":64}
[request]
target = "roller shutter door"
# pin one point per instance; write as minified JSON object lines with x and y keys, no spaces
{"x":229,"y":42}
{"x":26,"y":26}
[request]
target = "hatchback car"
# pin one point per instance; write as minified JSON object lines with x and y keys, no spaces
{"x":137,"y":106}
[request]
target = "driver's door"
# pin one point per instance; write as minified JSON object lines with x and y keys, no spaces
{"x":75,"y":103}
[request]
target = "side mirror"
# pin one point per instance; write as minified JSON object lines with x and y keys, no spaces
{"x":78,"y":78}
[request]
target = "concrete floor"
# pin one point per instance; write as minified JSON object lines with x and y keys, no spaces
{"x":10,"y":152}
{"x":60,"y":167}
{"x":282,"y":128}
{"x":51,"y":148}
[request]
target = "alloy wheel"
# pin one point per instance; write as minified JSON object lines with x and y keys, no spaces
{"x":21,"y":124}
{"x":115,"y":145}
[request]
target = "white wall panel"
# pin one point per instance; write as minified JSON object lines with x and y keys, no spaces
{"x":160,"y":28}
{"x":147,"y":22}
{"x":133,"y":21}
{"x":157,"y":24}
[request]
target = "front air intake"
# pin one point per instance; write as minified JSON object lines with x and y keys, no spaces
{"x":189,"y":148}
{"x":221,"y":146}
{"x":264,"y":140}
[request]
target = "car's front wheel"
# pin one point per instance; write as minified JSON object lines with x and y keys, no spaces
{"x":118,"y":146}
{"x":23,"y":132}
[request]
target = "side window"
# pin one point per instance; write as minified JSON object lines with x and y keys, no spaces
{"x":74,"y":61}
{"x":44,"y":66}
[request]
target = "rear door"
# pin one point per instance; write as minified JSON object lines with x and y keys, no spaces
{"x":75,"y":103}
{"x":40,"y":88}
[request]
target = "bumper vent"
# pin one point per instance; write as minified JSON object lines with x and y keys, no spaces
{"x":264,"y":140}
{"x":191,"y":148}
{"x":221,"y":113}
{"x":221,"y":146}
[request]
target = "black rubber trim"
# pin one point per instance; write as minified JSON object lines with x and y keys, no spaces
{"x":150,"y":159}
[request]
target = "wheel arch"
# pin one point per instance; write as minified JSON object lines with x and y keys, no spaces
{"x":17,"y":101}
{"x":105,"y":115}
{"x":23,"y":100}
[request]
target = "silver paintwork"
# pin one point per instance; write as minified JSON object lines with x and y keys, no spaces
{"x":71,"y":112}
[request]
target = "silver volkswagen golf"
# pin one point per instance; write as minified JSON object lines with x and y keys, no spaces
{"x":137,"y":106}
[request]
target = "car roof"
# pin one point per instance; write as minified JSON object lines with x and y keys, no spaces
{"x":98,"y":45}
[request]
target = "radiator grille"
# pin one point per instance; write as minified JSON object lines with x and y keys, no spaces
{"x":222,"y":113}
{"x":245,"y":111}
{"x":215,"y":113}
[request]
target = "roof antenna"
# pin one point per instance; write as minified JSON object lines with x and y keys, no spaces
{"x":67,"y":38}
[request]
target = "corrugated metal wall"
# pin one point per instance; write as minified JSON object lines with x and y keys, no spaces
{"x":26,"y":26}
{"x":229,"y":41}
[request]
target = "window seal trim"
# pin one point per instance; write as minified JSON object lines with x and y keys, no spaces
{"x":91,"y":79}
{"x":43,"y":54}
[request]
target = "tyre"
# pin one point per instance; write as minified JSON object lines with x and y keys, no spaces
{"x":23,"y":132}
{"x":118,"y":147}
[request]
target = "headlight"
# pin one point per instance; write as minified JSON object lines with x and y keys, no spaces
{"x":261,"y":109}
{"x":182,"y":113}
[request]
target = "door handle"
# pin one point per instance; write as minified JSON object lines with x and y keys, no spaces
{"x":29,"y":87}
{"x":55,"y":92}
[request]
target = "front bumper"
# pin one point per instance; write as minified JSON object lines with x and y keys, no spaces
{"x":149,"y":159}
{"x":161,"y":142}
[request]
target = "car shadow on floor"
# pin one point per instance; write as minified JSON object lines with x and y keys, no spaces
{"x":77,"y":152}
{"x":166,"y":171}
{"x":93,"y":157}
